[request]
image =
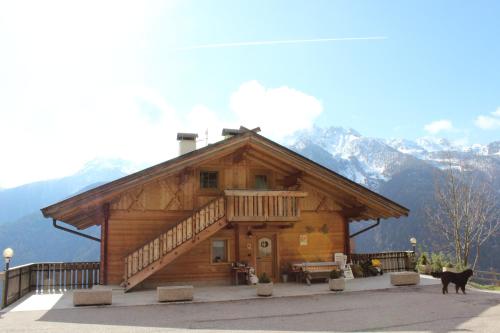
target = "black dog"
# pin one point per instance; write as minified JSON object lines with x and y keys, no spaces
{"x":459,"y":279}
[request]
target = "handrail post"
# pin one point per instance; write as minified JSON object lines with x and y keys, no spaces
{"x":19,"y":280}
{"x":5,"y":286}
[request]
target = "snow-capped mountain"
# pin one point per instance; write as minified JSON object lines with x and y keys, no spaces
{"x":367,"y":161}
{"x":18,"y":201}
{"x":370,"y":161}
{"x":403,"y":170}
{"x":399,"y":169}
{"x":493,"y":148}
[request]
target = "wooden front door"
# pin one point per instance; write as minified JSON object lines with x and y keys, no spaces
{"x":266,"y":255}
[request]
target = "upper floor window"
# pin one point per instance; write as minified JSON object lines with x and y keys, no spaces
{"x":261,"y":182}
{"x":209,"y":179}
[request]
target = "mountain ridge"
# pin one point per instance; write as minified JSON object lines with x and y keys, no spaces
{"x":385,"y":167}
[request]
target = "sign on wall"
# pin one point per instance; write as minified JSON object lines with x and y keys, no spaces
{"x":303,"y":239}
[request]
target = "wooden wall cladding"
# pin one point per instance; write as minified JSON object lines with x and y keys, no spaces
{"x":325,"y":236}
{"x":196,"y":264}
{"x":318,"y":201}
{"x":140,"y":215}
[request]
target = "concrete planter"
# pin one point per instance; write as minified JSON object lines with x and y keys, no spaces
{"x":449,"y":269}
{"x":265,"y":289}
{"x":405,"y":278}
{"x":175,"y":293}
{"x":336,"y":284}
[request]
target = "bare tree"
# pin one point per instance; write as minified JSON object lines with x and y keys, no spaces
{"x":465,"y":213}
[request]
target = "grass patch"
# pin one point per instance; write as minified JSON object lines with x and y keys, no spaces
{"x":484,"y":287}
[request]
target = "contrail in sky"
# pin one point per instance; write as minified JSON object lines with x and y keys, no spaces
{"x":276,"y":42}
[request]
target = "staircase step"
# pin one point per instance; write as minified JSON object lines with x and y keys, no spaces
{"x":166,"y":259}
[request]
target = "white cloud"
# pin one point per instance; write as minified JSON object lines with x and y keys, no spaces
{"x":53,"y":136}
{"x":206,"y":123}
{"x":71,"y":89}
{"x":278,"y":111}
{"x":439,"y":126}
{"x":489,"y":122}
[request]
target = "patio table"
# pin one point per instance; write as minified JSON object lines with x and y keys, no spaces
{"x":237,"y":271}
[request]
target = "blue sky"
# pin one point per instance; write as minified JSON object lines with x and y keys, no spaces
{"x":88,"y":79}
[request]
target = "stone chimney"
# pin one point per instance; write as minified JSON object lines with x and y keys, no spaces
{"x":187,"y":142}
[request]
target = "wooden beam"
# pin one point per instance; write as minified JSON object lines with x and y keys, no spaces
{"x":264,"y":193}
{"x":347,"y":239}
{"x":269,"y":163}
{"x":103,"y":278}
{"x":237,"y":242}
{"x":292,"y":179}
{"x":353,"y":212}
{"x":322,"y":201}
{"x":239,"y":154}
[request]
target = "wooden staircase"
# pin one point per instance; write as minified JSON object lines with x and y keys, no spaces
{"x":177,"y":240}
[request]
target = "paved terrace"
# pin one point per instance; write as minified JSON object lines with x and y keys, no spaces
{"x":58,"y":300}
{"x":404,"y":309}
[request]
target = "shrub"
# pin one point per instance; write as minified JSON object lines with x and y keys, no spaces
{"x":422,"y":260}
{"x":438,"y":261}
{"x":263,"y":278}
{"x":335,"y":274}
{"x":357,"y":271}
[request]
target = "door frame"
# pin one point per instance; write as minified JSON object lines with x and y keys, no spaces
{"x":273,"y":235}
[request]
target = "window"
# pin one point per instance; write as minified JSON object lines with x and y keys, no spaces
{"x":208,"y":179}
{"x":219,"y":250}
{"x":261,"y":182}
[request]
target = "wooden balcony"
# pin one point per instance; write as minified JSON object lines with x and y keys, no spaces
{"x":263,"y":205}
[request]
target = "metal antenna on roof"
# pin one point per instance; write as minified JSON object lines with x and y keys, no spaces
{"x":206,"y":137}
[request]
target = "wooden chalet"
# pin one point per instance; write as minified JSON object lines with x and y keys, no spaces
{"x":242,"y":199}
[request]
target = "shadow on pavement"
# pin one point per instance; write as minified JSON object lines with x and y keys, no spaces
{"x":405,"y":308}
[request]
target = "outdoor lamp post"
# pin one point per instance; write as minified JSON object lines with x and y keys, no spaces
{"x":8,"y":253}
{"x":413,"y":242}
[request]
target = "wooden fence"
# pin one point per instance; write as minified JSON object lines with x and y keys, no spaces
{"x":391,"y":261}
{"x":47,"y":278}
{"x":486,"y":278}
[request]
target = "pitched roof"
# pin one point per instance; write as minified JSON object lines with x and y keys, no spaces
{"x":88,"y":205}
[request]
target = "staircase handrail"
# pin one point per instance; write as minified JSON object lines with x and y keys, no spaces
{"x":173,"y":227}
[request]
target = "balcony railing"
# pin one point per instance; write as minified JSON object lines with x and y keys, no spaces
{"x":262,"y":205}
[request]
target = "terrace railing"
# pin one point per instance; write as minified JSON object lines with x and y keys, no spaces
{"x":486,"y":278}
{"x":49,"y":277}
{"x":395,"y":261}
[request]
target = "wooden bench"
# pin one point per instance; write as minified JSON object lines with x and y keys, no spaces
{"x":175,"y":293}
{"x":309,"y":271}
{"x":405,"y":278}
{"x":100,"y":296}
